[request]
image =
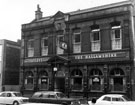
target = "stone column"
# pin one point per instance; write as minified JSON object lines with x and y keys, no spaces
{"x":35,"y":79}
{"x":85,"y":81}
{"x":105,"y":78}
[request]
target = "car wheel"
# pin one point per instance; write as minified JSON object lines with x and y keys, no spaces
{"x":15,"y":103}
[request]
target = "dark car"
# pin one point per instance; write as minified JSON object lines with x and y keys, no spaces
{"x":50,"y":97}
{"x":80,"y":102}
{"x":83,"y":102}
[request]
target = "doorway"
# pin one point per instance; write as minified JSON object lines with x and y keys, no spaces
{"x":117,"y":80}
{"x":59,"y":84}
{"x":118,"y":84}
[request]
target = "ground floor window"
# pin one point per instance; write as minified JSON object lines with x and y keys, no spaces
{"x":117,"y":80}
{"x":76,"y":80}
{"x":43,"y":81}
{"x":96,"y":80}
{"x":96,"y":84}
{"x":29,"y":80}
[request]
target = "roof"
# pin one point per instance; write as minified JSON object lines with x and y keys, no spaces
{"x":101,"y":7}
{"x":126,"y":2}
{"x":67,"y":16}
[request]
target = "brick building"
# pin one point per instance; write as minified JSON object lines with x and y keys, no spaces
{"x":9,"y":65}
{"x":84,"y":53}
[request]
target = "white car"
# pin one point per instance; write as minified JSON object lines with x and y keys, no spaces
{"x":12,"y":97}
{"x":112,"y":99}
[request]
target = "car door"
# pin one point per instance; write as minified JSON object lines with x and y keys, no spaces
{"x":105,"y":101}
{"x":117,"y":101}
{"x":9,"y":98}
{"x":53,"y":98}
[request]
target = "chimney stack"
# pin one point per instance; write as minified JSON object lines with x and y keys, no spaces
{"x":38,"y":13}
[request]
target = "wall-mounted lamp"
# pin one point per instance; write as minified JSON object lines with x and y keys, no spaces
{"x":55,"y":69}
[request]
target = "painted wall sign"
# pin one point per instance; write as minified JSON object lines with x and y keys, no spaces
{"x":35,"y":60}
{"x":103,"y":55}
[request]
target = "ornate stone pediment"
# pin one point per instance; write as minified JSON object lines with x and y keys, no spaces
{"x":58,"y":59}
{"x":59,"y":15}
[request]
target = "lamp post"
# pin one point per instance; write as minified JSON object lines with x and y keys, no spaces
{"x":54,"y":73}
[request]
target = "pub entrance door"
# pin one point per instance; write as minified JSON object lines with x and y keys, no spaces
{"x":59,"y":81}
{"x":59,"y":84}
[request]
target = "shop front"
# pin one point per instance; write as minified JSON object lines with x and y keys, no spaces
{"x":85,"y":75}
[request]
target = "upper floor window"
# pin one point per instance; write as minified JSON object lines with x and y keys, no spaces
{"x":30,"y":48}
{"x":77,"y":42}
{"x":44,"y":46}
{"x":116,"y":37}
{"x":60,"y":38}
{"x":95,"y":40}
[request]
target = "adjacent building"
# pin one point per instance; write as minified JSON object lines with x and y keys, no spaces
{"x":84,"y":53}
{"x":9,"y":65}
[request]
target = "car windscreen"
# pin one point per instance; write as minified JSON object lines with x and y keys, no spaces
{"x":61,"y":95}
{"x":17,"y":94}
{"x":126,"y":98}
{"x":36,"y":95}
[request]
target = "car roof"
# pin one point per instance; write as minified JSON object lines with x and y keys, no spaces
{"x":113,"y":95}
{"x":48,"y":92}
{"x":9,"y":92}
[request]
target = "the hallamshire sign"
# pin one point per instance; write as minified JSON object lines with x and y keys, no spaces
{"x":103,"y":55}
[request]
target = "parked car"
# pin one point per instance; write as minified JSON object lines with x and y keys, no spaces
{"x":12,"y":97}
{"x":80,"y":102}
{"x":83,"y":102}
{"x":50,"y":97}
{"x":112,"y":99}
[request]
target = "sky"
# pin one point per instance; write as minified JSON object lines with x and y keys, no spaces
{"x":14,"y":13}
